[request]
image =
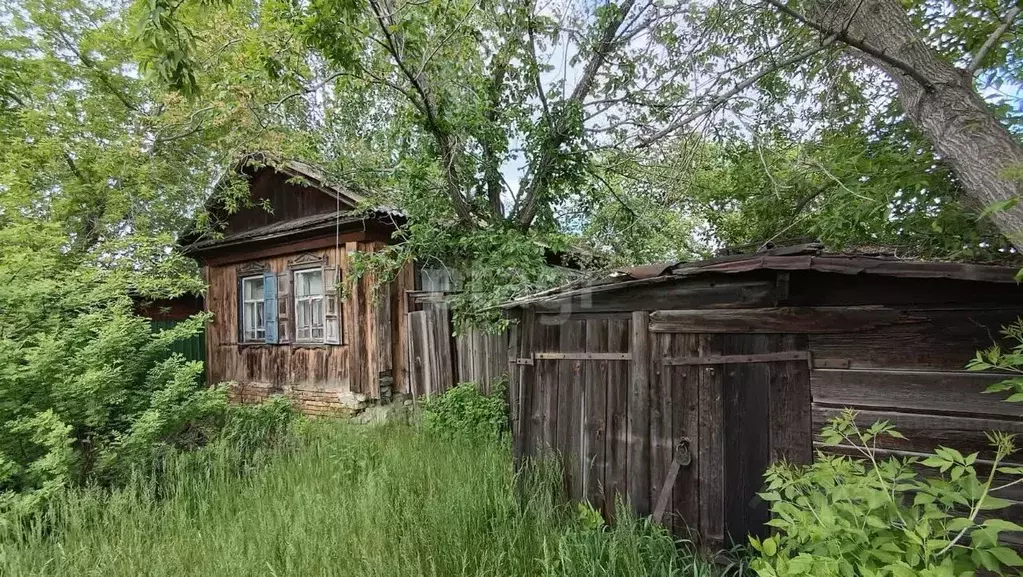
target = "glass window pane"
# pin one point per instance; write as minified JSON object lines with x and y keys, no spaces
{"x":317,"y":312}
{"x":301,"y":284}
{"x":259,"y":314}
{"x":247,"y":324}
{"x":252,"y":288}
{"x":315,"y":282}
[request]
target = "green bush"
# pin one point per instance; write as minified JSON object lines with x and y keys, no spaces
{"x":844,"y":516}
{"x":464,"y":411}
{"x":89,"y":394}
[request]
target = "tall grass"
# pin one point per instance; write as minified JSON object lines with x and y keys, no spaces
{"x":344,"y":500}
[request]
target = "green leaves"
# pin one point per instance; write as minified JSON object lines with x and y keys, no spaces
{"x":865,"y":516}
{"x":464,"y":412}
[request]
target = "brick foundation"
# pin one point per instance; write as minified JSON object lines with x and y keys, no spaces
{"x":312,"y":401}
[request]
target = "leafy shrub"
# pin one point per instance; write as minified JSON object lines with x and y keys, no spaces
{"x":865,"y":516}
{"x":1005,"y":360}
{"x":464,"y":411}
{"x":88,"y":392}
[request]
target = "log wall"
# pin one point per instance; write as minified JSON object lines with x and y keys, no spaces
{"x":321,"y":378}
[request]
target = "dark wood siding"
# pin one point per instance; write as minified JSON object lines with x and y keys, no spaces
{"x":286,"y":201}
{"x":748,"y":367}
{"x":616,"y":400}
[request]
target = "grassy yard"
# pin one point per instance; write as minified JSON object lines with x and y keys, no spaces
{"x":344,"y":500}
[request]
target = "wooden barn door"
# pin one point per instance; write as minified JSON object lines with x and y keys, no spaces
{"x":622,"y":396}
{"x":568,"y":393}
{"x":739,"y":402}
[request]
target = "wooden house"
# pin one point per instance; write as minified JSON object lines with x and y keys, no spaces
{"x":729,"y":364}
{"x":274,"y":273}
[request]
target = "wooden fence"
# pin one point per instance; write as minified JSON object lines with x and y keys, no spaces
{"x":438,"y":360}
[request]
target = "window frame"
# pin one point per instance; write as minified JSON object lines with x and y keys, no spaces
{"x":260,"y":333}
{"x":297,"y":299}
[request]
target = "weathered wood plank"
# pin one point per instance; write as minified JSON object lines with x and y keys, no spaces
{"x":419,"y":363}
{"x":686,"y":424}
{"x":514,"y":391}
{"x":910,"y":391}
{"x":711,"y":449}
{"x":573,"y":410}
{"x":660,"y":415}
{"x":538,"y":434}
{"x":780,"y":320}
{"x":790,"y":399}
{"x":547,"y":372}
{"x":946,"y":342}
{"x":739,"y":358}
{"x":746,"y":423}
{"x":595,"y":374}
{"x":924,"y":432}
{"x":618,"y":387}
{"x":639,"y":415}
{"x":729,"y":293}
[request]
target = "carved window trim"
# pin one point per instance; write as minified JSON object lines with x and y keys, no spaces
{"x":307,"y":260}
{"x":252,"y":268}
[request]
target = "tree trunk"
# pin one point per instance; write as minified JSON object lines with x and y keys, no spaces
{"x":945,"y":108}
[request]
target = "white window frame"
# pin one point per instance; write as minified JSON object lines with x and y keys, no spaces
{"x":307,"y":334}
{"x":255,"y":334}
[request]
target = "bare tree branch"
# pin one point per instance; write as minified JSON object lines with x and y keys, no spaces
{"x":539,"y":178}
{"x":992,"y":40}
{"x":843,"y":37}
{"x":449,"y":157}
{"x":724,"y":97}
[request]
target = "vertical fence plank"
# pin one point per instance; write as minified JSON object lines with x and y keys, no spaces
{"x":711,"y":450}
{"x":572,"y":449}
{"x":746,"y":409}
{"x":547,"y":374}
{"x":791,"y":402}
{"x":595,"y":414}
{"x":660,"y":414}
{"x":686,"y":423}
{"x":639,"y":415}
{"x":618,"y":385}
{"x":514,"y":391}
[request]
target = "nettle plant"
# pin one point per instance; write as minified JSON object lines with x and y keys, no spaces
{"x":901,"y":517}
{"x":1011,"y":360}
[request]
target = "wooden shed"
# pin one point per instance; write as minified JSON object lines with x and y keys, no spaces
{"x":732,"y":363}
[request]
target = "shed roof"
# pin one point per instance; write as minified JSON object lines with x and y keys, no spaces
{"x":788,"y":258}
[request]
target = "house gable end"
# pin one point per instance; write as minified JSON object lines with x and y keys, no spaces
{"x":277,"y":196}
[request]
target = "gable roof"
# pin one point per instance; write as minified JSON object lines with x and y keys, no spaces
{"x":354,"y":213}
{"x":342,"y":221}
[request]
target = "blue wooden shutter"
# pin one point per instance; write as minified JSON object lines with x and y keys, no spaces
{"x":270,"y":307}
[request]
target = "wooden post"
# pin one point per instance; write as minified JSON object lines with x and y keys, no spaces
{"x":639,"y":415}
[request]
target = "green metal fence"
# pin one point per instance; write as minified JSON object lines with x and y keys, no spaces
{"x":193,"y":349}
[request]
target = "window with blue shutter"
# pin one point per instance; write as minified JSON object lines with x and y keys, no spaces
{"x":270,"y":307}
